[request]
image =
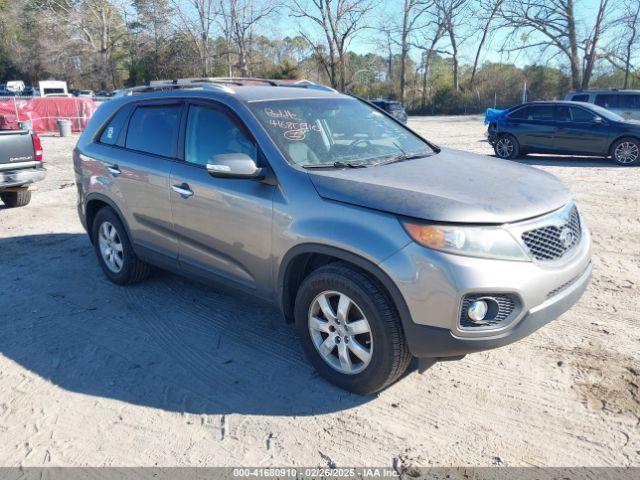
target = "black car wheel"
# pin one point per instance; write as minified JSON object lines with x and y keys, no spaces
{"x":114,"y":251}
{"x":626,"y":151}
{"x":507,"y":147}
{"x":19,"y":198}
{"x":350,"y":330}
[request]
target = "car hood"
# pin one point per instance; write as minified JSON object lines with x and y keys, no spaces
{"x":451,"y":186}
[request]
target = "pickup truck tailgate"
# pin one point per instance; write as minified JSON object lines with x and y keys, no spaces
{"x":16,"y":146}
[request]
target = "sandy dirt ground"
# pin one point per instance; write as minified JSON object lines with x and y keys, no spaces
{"x":171,"y":372}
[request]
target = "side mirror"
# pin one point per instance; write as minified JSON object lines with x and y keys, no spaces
{"x":234,"y":165}
{"x":598,"y":120}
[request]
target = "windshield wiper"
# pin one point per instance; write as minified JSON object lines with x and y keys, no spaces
{"x":338,"y":165}
{"x":402,"y":157}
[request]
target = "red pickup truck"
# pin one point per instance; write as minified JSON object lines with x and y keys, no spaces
{"x":20,"y":166}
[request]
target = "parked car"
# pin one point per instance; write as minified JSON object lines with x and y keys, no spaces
{"x":379,"y":245}
{"x":393,"y":108}
{"x":85,"y":93}
{"x":625,"y":103}
{"x":27,"y":92}
{"x":20,"y":166}
{"x":565,"y":128}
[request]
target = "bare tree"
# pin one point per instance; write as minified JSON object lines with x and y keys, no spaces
{"x":488,"y":11}
{"x":430,"y":33}
{"x":620,"y":53}
{"x":96,"y":24}
{"x":339,"y":21}
{"x":153,"y":30}
{"x":554,"y":22}
{"x":197,"y":18}
{"x":240,"y":18}
{"x":453,"y":12}
{"x":412,"y":14}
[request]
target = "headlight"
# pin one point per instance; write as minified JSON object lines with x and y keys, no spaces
{"x":486,"y":242}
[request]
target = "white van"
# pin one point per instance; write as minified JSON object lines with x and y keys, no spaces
{"x":53,"y":88}
{"x":15,"y":86}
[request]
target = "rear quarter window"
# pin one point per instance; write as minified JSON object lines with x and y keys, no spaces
{"x":114,"y":128}
{"x":154,"y":129}
{"x":580,"y":98}
{"x":631,"y":102}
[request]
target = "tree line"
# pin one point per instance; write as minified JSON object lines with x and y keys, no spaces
{"x":436,"y":56}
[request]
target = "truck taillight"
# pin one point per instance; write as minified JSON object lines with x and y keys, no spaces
{"x":37,"y":147}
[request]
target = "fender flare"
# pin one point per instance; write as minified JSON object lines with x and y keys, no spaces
{"x":368,"y":266}
{"x":95,"y":196}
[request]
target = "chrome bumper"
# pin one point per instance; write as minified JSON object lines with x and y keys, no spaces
{"x":17,"y":178}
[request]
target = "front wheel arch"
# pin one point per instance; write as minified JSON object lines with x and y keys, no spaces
{"x":516,"y":146}
{"x":287,"y":281}
{"x":621,"y":137}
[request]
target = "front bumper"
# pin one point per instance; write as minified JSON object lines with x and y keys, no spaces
{"x":433,"y":285}
{"x":18,"y":178}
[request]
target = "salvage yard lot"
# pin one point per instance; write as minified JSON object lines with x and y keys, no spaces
{"x":170,"y":372}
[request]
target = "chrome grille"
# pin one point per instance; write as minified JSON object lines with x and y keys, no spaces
{"x":506,"y":306}
{"x":554,"y":241}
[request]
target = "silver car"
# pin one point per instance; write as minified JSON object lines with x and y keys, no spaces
{"x":625,"y":103}
{"x":377,"y":244}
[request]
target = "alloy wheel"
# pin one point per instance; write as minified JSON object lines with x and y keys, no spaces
{"x":340,"y":332}
{"x":504,"y":147}
{"x":626,"y":152}
{"x":111,"y":247}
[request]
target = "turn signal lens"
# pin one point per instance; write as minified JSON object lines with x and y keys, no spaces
{"x":427,"y":235}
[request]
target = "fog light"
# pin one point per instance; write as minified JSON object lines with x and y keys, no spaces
{"x":478,"y":310}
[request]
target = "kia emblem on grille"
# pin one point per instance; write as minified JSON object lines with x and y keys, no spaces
{"x":566,"y":237}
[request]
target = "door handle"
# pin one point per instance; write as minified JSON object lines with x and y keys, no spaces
{"x":183,"y":190}
{"x":114,"y":170}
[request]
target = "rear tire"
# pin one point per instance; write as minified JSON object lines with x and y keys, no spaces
{"x":626,"y":151}
{"x":382,"y":336}
{"x":16,"y":199}
{"x":507,"y":147}
{"x":114,"y":251}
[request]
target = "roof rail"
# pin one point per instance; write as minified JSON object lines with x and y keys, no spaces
{"x":221,"y":83}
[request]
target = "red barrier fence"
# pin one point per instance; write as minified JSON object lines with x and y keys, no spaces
{"x":43,"y":112}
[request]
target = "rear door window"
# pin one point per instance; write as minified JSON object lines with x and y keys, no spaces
{"x":542,"y":112}
{"x":210,"y":132}
{"x":115,"y":127}
{"x":608,"y":100}
{"x":154,"y":129}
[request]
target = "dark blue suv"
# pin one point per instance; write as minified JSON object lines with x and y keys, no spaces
{"x":565,"y":128}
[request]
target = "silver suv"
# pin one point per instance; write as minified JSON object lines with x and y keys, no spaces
{"x":625,"y":103}
{"x":377,"y":244}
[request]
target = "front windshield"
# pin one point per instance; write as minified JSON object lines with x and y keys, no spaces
{"x":331,"y":132}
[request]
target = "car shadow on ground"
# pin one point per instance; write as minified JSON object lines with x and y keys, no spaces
{"x":167,"y":343}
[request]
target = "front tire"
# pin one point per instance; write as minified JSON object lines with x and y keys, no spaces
{"x":350,"y":330}
{"x":114,"y":251}
{"x":507,"y":147}
{"x":626,"y":151}
{"x":19,"y":198}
